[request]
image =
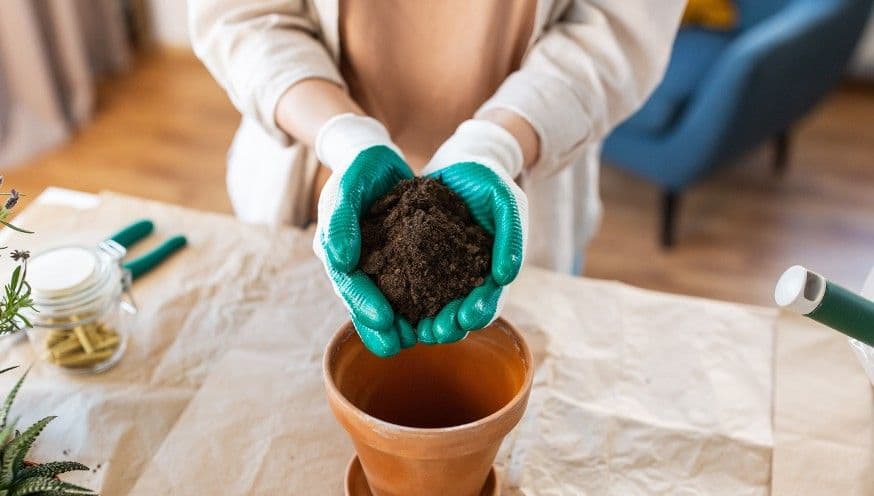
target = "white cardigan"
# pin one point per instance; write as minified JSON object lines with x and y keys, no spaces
{"x":589,"y":64}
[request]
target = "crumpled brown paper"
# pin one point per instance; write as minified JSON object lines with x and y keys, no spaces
{"x":220,"y":390}
{"x":232,"y":283}
{"x":641,"y":393}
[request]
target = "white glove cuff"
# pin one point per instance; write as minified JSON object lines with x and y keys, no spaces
{"x":344,"y":136}
{"x":479,"y":141}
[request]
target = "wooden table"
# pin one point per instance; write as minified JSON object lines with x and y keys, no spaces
{"x":636,"y":391}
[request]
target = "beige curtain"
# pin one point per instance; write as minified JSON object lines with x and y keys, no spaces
{"x":51,"y":52}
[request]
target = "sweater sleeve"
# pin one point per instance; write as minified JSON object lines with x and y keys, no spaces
{"x":588,"y":71}
{"x":257,"y":49}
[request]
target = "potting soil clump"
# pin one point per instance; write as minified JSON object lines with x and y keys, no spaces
{"x":422,"y":247}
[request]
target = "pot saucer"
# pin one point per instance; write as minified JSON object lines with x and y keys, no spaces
{"x":356,"y":483}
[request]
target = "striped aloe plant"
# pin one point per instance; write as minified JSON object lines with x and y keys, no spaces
{"x":20,"y":478}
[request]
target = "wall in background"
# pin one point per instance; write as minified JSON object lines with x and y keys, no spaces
{"x":169,"y":23}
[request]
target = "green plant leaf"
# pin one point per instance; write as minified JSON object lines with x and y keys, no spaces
{"x":36,"y":485}
{"x":7,"y":433}
{"x":17,"y":298}
{"x":12,"y":459}
{"x":10,"y":398}
{"x":66,"y":493}
{"x":74,"y":489}
{"x":15,"y":275}
{"x":50,"y":469}
{"x":14,"y":228}
{"x":41,"y":485}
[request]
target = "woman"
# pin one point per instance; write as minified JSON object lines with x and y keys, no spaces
{"x":376,"y":91}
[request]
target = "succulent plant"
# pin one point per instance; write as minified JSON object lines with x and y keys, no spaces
{"x":19,"y":477}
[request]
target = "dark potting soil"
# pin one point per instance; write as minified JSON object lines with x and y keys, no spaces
{"x":422,"y":247}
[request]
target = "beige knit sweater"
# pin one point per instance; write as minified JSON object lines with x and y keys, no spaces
{"x":572,"y":68}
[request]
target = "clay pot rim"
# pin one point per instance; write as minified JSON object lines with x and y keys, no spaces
{"x":347,"y":330}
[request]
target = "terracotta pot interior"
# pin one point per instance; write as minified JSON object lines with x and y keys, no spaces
{"x":432,"y":386}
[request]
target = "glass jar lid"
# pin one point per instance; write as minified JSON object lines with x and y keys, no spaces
{"x":73,"y":283}
{"x":63,"y":271}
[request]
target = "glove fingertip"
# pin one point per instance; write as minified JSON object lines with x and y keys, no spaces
{"x":446,"y":328}
{"x":366,"y":302}
{"x":480,"y":307}
{"x":505,"y":269}
{"x":383,"y":349}
{"x":381,"y":344}
{"x":377,"y":317}
{"x":470,"y":319}
{"x":406,"y":333}
{"x":425,"y":331}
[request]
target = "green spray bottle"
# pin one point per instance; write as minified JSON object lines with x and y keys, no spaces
{"x":812,"y":295}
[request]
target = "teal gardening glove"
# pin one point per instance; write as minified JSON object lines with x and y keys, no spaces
{"x":479,"y":163}
{"x":365,"y":165}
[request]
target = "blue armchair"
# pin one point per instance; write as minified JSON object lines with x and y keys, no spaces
{"x":725,"y":93}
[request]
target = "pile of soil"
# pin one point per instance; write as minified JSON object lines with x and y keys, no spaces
{"x":422,"y":247}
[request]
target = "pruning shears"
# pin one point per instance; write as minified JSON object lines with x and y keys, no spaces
{"x":130,"y":235}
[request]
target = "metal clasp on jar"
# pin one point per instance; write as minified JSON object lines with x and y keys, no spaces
{"x":117,"y":252}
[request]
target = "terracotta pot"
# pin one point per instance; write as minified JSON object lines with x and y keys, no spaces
{"x":429,"y":420}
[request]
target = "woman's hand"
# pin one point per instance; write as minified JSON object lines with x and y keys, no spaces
{"x":365,"y":165}
{"x":479,"y":163}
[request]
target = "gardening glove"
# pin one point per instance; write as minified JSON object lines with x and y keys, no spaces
{"x":365,"y":165}
{"x":479,"y":163}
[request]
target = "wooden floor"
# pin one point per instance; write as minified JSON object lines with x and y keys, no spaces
{"x":161,"y":132}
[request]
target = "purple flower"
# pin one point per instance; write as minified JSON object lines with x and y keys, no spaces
{"x":18,"y":255}
{"x":12,"y":200}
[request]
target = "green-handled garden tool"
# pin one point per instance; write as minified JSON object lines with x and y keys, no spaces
{"x":130,"y":235}
{"x":810,"y":294}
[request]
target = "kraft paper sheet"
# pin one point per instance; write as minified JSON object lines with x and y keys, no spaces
{"x":220,"y":391}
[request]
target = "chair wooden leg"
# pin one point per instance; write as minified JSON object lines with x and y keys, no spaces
{"x":670,"y":203}
{"x":781,"y":153}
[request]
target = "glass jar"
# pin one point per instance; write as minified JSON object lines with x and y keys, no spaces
{"x":81,"y":312}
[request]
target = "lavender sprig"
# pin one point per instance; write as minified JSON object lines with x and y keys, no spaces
{"x":12,"y":200}
{"x":6,"y":209}
{"x":17,"y":293}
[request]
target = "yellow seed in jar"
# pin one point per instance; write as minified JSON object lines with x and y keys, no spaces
{"x":83,"y":338}
{"x":68,"y":345}
{"x":83,"y":359}
{"x":109,"y":342}
{"x":93,"y":335}
{"x":55,"y":337}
